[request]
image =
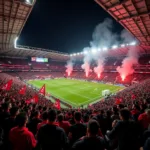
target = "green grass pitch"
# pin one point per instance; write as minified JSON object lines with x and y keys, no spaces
{"x":75,"y":92}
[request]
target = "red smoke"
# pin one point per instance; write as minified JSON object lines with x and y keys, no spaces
{"x":86,"y":67}
{"x":69,"y":67}
{"x":127,"y":64}
{"x":100,"y":67}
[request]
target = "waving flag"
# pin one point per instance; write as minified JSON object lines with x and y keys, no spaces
{"x":57,"y":104}
{"x":34,"y":99}
{"x":8,"y":85}
{"x":118,"y":101}
{"x":42,"y":90}
{"x":23,"y":90}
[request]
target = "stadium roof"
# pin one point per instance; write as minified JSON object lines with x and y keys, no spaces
{"x":133,"y":15}
{"x":13,"y":16}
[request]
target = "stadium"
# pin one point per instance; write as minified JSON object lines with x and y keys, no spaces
{"x":104,"y":83}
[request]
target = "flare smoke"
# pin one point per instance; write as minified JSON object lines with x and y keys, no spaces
{"x":127,"y":64}
{"x":100,"y":68}
{"x":69,"y":67}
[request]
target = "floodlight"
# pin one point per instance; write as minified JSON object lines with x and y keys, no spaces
{"x":99,"y":49}
{"x":74,"y":54}
{"x":105,"y":48}
{"x":122,"y":45}
{"x":114,"y":46}
{"x":78,"y":53}
{"x":133,"y":43}
{"x":127,"y":44}
{"x":93,"y":50}
{"x":85,"y":52}
{"x":15,"y":42}
{"x":71,"y":55}
{"x":30,"y":2}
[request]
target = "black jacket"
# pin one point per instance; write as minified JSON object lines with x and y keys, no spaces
{"x":89,"y":143}
{"x":51,"y":137}
{"x":127,"y":133}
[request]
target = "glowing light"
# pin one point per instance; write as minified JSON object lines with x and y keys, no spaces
{"x":87,"y":74}
{"x":78,"y":53}
{"x":99,"y":49}
{"x":15,"y":42}
{"x":85,"y":52}
{"x":133,"y":43}
{"x":105,"y":48}
{"x":122,"y":45}
{"x":127,"y":44}
{"x":123,"y":77}
{"x":69,"y":73}
{"x":94,"y":50}
{"x":71,"y":55}
{"x":74,"y":54}
{"x":114,"y":46}
{"x":81,"y":53}
{"x":98,"y":75}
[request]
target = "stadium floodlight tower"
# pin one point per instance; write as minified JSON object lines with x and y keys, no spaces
{"x":29,"y":2}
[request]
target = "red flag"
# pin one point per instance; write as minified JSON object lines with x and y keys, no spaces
{"x":22,"y":90}
{"x":78,"y":109}
{"x":7,"y":86}
{"x":34,"y":99}
{"x":42,"y":90}
{"x":133,"y":97}
{"x":57,"y":104}
{"x":118,"y":101}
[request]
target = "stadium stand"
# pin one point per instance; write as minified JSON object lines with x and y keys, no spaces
{"x":120,"y":121}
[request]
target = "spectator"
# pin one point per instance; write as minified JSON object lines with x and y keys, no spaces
{"x":5,"y":114}
{"x":50,"y":136}
{"x":45,"y":120}
{"x":32,"y":126}
{"x":86,"y":119}
{"x":112,"y":144}
{"x":147,"y":144}
{"x":78,"y":130}
{"x":20,"y":137}
{"x":9,"y":123}
{"x":144,"y":119}
{"x":1,"y":139}
{"x":126,"y":131}
{"x":92,"y":141}
{"x":63,"y":124}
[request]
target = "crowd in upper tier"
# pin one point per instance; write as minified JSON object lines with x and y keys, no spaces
{"x":121,"y":122}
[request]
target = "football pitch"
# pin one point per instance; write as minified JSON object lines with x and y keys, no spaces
{"x":75,"y":92}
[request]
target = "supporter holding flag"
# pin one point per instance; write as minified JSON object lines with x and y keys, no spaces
{"x":42,"y":90}
{"x":34,"y":99}
{"x":8,"y":85}
{"x":57,"y":104}
{"x":22,"y":91}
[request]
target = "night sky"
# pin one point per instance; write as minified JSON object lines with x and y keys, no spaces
{"x":63,"y":25}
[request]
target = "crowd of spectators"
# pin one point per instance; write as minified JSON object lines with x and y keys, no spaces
{"x":106,"y":125}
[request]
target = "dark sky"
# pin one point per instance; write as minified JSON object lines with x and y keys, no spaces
{"x":63,"y":25}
